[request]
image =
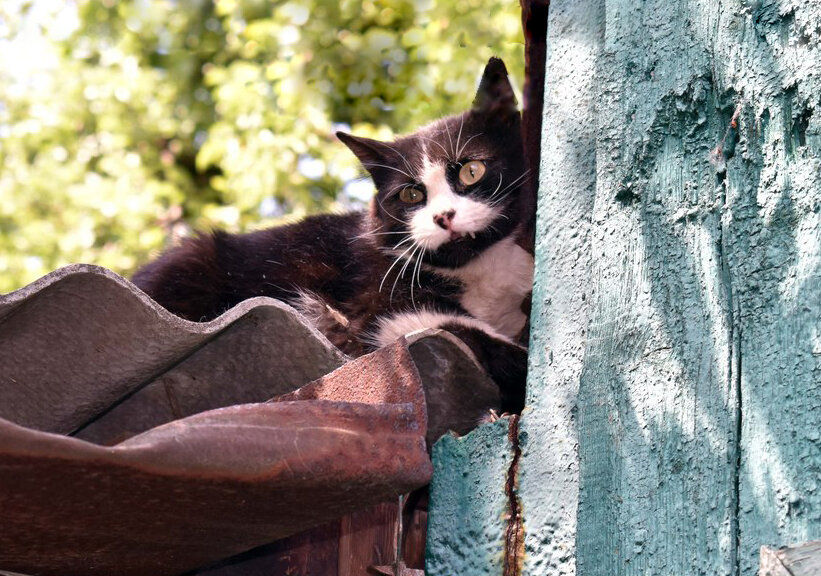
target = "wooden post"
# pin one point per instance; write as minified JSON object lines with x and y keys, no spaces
{"x":678,"y":289}
{"x":469,"y":515}
{"x":801,"y":560}
{"x":673,"y":423}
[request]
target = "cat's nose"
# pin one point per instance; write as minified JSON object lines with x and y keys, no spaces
{"x":444,"y":219}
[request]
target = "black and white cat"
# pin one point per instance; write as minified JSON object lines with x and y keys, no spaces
{"x":437,"y":249}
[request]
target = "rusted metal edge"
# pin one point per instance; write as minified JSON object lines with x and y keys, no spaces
{"x":514,"y":533}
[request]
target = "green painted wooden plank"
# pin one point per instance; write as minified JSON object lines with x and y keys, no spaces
{"x":698,"y":383}
{"x":468,"y":512}
{"x":548,"y":484}
{"x":773,"y":244}
{"x":657,"y":409}
{"x":673,"y":423}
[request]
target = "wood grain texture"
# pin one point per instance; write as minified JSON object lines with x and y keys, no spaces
{"x":800,"y":560}
{"x":773,"y":248}
{"x":681,"y":319}
{"x":561,"y":293}
{"x":657,"y":411}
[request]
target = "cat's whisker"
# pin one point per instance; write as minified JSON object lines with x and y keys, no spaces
{"x":419,"y":264}
{"x":389,"y":214}
{"x":405,"y":160}
{"x":517,"y":180}
{"x":459,"y":152}
{"x":401,"y":185}
{"x":459,"y":137}
{"x":395,"y":262}
{"x":508,"y":190}
{"x":497,"y":187}
{"x":452,"y":151}
{"x":373,"y":165}
{"x":402,"y":242}
{"x":384,"y":233}
{"x":513,"y":183}
{"x":401,"y":273}
{"x":415,"y":272}
{"x":437,"y":143}
{"x":371,"y":234}
{"x":500,"y":199}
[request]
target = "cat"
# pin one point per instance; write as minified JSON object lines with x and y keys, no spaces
{"x":436,"y":249}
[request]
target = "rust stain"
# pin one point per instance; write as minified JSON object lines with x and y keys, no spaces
{"x":514,"y":536}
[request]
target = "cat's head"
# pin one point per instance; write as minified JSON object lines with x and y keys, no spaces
{"x":454,"y":187}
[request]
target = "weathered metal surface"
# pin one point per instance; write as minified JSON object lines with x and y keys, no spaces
{"x":120,"y":365}
{"x":798,"y":560}
{"x":387,"y":376}
{"x":457,"y":396}
{"x":458,"y":393}
{"x":469,"y":513}
{"x":82,"y":340}
{"x":211,"y":485}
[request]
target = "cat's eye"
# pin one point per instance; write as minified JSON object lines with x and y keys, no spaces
{"x":411,"y":195}
{"x":471,"y":172}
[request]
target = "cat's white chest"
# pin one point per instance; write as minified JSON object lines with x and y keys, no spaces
{"x":495,"y":284}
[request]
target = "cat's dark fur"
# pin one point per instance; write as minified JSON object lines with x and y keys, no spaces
{"x":347,"y":272}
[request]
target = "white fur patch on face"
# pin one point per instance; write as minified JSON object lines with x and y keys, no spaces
{"x":469,"y":216}
{"x":392,"y":327}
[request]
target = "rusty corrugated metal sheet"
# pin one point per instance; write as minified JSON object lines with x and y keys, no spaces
{"x":215,"y":484}
{"x":84,"y":352}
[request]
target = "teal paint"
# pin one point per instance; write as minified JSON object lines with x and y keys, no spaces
{"x":673,"y":423}
{"x":548,"y":470}
{"x":773,"y":247}
{"x":676,"y":331}
{"x":469,"y":507}
{"x":656,"y":404}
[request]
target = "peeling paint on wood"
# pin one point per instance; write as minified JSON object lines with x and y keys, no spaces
{"x":800,"y":560}
{"x":561,"y":294}
{"x":677,"y":304}
{"x":468,"y":517}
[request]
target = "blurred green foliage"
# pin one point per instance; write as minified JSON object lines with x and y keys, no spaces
{"x":124,"y":124}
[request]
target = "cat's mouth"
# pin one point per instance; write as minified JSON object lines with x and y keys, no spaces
{"x":454,"y":235}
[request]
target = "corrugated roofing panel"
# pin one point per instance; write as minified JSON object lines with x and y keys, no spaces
{"x":84,"y":351}
{"x":78,"y":342}
{"x":215,"y":484}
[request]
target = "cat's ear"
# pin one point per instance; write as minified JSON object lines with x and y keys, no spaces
{"x":368,"y":151}
{"x":495,"y":95}
{"x":373,"y":154}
